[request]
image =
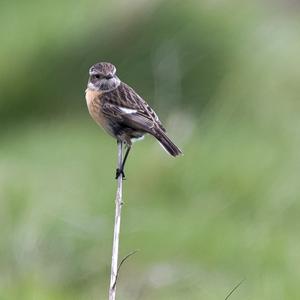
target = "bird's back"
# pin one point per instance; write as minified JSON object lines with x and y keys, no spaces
{"x":126,"y":97}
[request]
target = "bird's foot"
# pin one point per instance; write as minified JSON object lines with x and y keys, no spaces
{"x":120,"y":172}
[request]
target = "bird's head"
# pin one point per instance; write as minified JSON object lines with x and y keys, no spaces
{"x":103,"y":77}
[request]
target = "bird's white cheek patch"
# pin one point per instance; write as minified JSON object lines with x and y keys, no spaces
{"x":128,"y":110}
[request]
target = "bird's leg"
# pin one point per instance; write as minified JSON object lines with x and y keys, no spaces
{"x":121,"y":171}
{"x":125,"y":156}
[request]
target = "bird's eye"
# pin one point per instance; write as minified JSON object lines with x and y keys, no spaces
{"x":97,"y":76}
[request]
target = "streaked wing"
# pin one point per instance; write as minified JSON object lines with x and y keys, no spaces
{"x":126,"y":106}
{"x":132,"y":119}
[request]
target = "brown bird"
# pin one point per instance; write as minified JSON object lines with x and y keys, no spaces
{"x":125,"y":115}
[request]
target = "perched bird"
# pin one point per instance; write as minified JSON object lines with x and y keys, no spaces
{"x":125,"y":115}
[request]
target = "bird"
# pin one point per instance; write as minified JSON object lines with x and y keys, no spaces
{"x":121,"y":112}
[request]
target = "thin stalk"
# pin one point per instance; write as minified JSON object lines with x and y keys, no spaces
{"x":115,"y":248}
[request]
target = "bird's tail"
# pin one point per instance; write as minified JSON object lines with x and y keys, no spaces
{"x":167,"y":144}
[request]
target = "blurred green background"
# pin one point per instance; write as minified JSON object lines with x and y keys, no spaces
{"x":224,"y":78}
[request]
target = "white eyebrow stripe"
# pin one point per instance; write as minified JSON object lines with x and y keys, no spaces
{"x":128,"y":110}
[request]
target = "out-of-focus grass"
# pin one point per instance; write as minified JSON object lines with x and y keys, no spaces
{"x":47,"y":50}
{"x":225,"y":210}
{"x":227,"y":75}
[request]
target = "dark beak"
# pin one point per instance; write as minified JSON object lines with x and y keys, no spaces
{"x":109,"y":76}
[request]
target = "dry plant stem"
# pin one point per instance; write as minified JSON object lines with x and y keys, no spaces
{"x":234,"y":289}
{"x":115,"y":249}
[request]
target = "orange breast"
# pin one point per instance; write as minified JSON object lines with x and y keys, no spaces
{"x":93,"y":101}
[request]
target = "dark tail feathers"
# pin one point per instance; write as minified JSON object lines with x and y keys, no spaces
{"x":167,"y":144}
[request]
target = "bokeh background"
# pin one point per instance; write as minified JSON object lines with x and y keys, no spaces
{"x":224,"y":77}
